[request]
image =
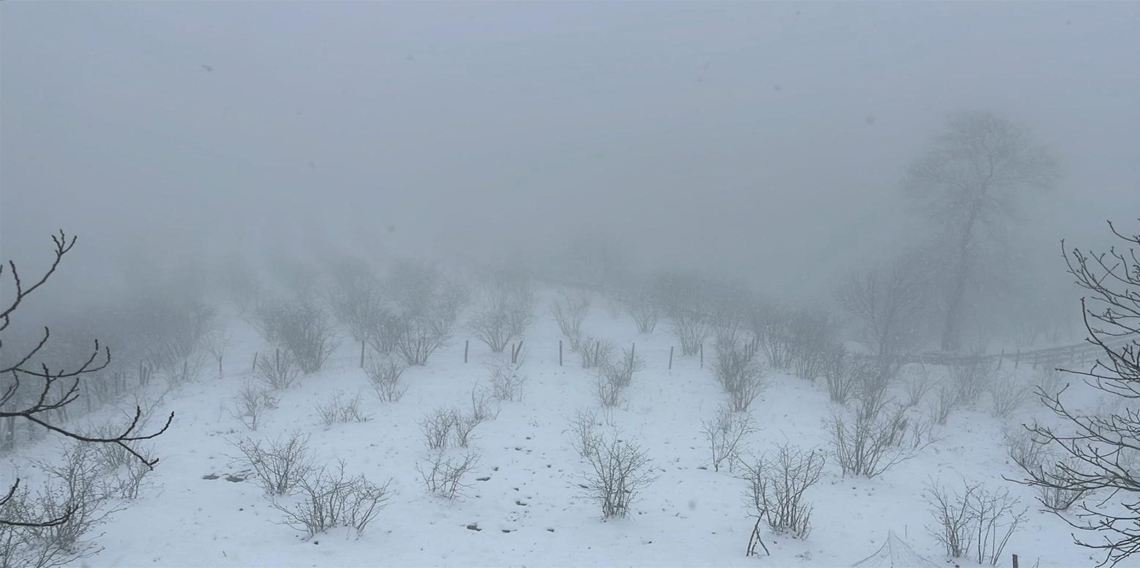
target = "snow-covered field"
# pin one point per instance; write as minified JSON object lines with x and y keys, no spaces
{"x":530,"y":510}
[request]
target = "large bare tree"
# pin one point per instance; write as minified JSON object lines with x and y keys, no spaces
{"x":34,"y":392}
{"x":1100,"y":452}
{"x":970,"y":181}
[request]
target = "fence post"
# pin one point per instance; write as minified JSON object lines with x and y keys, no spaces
{"x":1001,"y":358}
{"x":670,"y":357}
{"x":254,"y":362}
{"x":559,"y":352}
{"x":1014,"y":561}
{"x":361,"y":353}
{"x":1017,"y":358}
{"x":466,"y":347}
{"x":702,"y":355}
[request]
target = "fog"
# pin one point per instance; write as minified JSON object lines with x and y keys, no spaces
{"x":764,"y":141}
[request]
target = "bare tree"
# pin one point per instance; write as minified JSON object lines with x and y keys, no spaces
{"x":618,"y":470}
{"x":970,"y":181}
{"x":570,"y":310}
{"x":776,"y":487}
{"x":31,"y":393}
{"x":888,"y":302}
{"x":1102,"y":451}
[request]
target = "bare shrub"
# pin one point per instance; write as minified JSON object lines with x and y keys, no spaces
{"x":811,"y":336}
{"x":251,"y":403}
{"x":873,"y":443}
{"x":355,"y":297}
{"x":570,"y":310}
{"x":595,"y":352}
{"x":724,"y":434}
{"x":185,"y":372}
{"x":1024,"y":448}
{"x":331,"y":500}
{"x":381,"y":330}
{"x":691,"y":329}
{"x":176,"y":331}
{"x":76,"y":494}
{"x":840,"y":375}
{"x":482,"y":408}
{"x":384,"y":376}
{"x":739,"y":374}
{"x":464,"y":425}
{"x":280,"y":466}
{"x":278,"y":372}
{"x":416,"y":337}
{"x":776,"y":487}
{"x":509,"y":311}
{"x":1060,"y":488}
{"x":584,"y":436}
{"x":129,"y":481}
{"x":507,"y":380}
{"x":340,"y":410}
{"x":620,"y":370}
{"x":618,"y":470}
{"x":443,"y":476}
{"x":1007,"y":395}
{"x":644,"y":310}
{"x":946,"y":399}
{"x":976,"y":519}
{"x":607,"y":391}
{"x":972,"y":376}
{"x":1051,"y":382}
{"x":917,"y":387}
{"x":217,"y":342}
{"x":305,"y":330}
{"x":437,"y":426}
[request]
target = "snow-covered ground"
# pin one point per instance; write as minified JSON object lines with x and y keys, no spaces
{"x":531,"y":511}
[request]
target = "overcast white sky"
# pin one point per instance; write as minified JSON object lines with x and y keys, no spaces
{"x":766,"y":139}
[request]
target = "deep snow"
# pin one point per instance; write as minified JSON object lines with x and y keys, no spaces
{"x":531,"y":511}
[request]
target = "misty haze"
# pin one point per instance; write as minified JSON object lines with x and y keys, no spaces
{"x":570,"y":284}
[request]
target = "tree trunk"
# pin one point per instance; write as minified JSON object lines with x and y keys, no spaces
{"x":952,"y":330}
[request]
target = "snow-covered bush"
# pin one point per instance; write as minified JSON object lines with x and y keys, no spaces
{"x":776,"y":487}
{"x":570,"y":310}
{"x":339,"y":410}
{"x":384,"y":375}
{"x":739,"y":374}
{"x":444,"y":475}
{"x":507,"y":380}
{"x":1007,"y":395}
{"x":870,"y":444}
{"x":508,"y":310}
{"x":251,"y":403}
{"x":281,"y":465}
{"x":595,"y":352}
{"x":436,"y":427}
{"x":331,"y":500}
{"x":303,"y":329}
{"x":975,"y":523}
{"x":619,"y":469}
{"x":645,"y":311}
{"x":972,"y":375}
{"x":278,"y":372}
{"x":841,"y":375}
{"x":724,"y":433}
{"x":619,"y":371}
{"x":691,"y":328}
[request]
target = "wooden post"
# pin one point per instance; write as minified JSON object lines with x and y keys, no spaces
{"x":466,"y":348}
{"x":632,"y":353}
{"x":361,"y":353}
{"x":1014,"y":561}
{"x":1017,"y":358}
{"x":255,"y":361}
{"x":702,"y":355}
{"x":670,"y":357}
{"x":1001,"y":358}
{"x":559,"y":352}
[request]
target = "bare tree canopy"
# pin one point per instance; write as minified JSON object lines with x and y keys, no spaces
{"x":972,"y":178}
{"x":32,"y":392}
{"x":1101,"y":451}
